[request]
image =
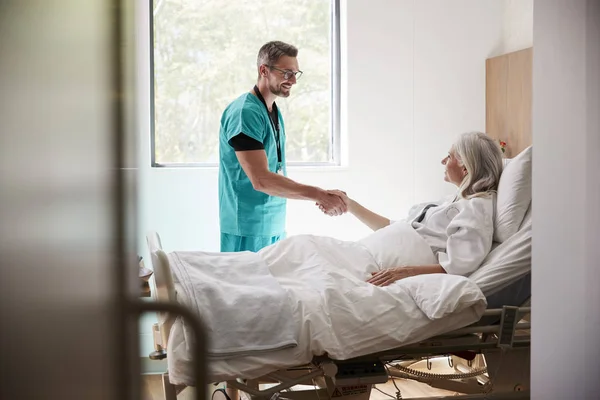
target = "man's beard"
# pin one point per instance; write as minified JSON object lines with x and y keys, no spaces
{"x":277,"y":91}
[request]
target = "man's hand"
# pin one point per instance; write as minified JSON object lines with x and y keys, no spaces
{"x":388,"y":276}
{"x":337,"y":193}
{"x":331,"y":204}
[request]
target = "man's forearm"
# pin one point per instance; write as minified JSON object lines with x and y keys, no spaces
{"x":368,"y":217}
{"x":280,"y":186}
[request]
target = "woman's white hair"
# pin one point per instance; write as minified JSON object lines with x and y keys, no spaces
{"x":482,"y":157}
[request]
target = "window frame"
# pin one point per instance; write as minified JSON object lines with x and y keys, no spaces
{"x":335,"y":117}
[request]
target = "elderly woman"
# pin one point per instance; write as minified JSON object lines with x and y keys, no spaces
{"x":460,"y":230}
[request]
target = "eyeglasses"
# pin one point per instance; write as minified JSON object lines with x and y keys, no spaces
{"x":287,"y":74}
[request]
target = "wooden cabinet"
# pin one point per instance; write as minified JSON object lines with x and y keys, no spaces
{"x":508,"y":99}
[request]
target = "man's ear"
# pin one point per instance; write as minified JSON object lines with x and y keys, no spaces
{"x":263,"y":70}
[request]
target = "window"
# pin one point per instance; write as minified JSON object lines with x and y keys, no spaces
{"x":204,"y":56}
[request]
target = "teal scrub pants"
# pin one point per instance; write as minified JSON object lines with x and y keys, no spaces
{"x":233,"y":243}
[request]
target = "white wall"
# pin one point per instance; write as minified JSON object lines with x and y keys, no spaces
{"x":414,"y":78}
{"x":566,"y":195}
{"x":518,"y":25}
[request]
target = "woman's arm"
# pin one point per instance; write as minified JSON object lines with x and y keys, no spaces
{"x":470,"y":236}
{"x":388,"y":276}
{"x":366,"y":216}
{"x":427,"y":269}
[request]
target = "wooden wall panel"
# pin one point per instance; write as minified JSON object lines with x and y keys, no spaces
{"x":519,"y":100}
{"x":508,"y":99}
{"x":496,"y":97}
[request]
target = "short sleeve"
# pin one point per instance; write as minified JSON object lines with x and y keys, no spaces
{"x":248,"y":120}
{"x":251,"y":123}
{"x":469,"y":237}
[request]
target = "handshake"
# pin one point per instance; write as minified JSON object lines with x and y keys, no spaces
{"x":333,"y":202}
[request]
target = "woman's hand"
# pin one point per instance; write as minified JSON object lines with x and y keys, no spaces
{"x":388,"y":276}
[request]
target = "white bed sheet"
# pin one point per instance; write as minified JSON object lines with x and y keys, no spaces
{"x":338,"y":312}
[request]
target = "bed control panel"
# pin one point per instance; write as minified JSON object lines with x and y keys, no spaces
{"x":364,"y":372}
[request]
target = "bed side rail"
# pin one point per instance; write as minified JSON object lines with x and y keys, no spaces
{"x":510,"y":332}
{"x":510,"y":318}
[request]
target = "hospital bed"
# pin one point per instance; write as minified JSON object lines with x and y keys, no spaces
{"x":490,"y":358}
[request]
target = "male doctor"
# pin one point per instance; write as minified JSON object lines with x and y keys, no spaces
{"x":253,"y":183}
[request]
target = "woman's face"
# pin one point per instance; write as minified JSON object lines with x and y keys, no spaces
{"x":455,"y":171}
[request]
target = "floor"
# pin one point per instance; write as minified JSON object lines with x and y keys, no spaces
{"x":152,"y":388}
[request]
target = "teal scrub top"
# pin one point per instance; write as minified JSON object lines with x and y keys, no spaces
{"x":244,"y":211}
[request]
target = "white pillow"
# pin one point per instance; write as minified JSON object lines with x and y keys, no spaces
{"x":514,"y":195}
{"x":506,"y":263}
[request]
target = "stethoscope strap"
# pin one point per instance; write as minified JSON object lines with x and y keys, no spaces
{"x":274,"y":124}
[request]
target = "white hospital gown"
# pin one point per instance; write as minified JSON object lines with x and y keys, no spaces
{"x":459,"y":232}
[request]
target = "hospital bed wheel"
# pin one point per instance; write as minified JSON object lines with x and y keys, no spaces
{"x":158,"y":355}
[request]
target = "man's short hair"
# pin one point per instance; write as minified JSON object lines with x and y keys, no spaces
{"x":271,"y":52}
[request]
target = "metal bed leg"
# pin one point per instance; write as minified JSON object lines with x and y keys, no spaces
{"x":168,"y":389}
{"x":510,"y":370}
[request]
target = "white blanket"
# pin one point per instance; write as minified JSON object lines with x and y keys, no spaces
{"x":243,"y":307}
{"x":341,"y":315}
